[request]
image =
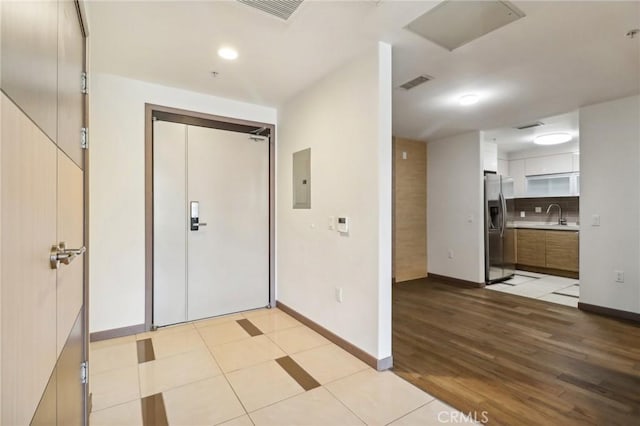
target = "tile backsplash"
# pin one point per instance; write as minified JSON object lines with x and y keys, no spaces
{"x":570,"y":209}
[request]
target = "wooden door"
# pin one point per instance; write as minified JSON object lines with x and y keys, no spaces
{"x":70,"y":67}
{"x":28,"y":283}
{"x":42,"y":341}
{"x":29,"y":59}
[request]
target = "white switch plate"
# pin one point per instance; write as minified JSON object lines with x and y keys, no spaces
{"x":404,"y":155}
{"x":339,"y":294}
{"x":619,"y":276}
{"x":595,"y":220}
{"x":332,"y":223}
{"x":522,"y":214}
{"x":538,"y":209}
{"x":450,"y":254}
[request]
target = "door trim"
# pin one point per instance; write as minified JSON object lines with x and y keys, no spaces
{"x":204,"y":120}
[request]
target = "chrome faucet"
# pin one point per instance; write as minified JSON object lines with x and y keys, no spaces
{"x":561,"y":220}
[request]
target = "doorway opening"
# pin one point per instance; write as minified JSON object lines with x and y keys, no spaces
{"x":209,"y":206}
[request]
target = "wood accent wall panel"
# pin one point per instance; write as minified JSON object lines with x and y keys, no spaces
{"x":531,"y":247}
{"x":69,"y":390}
{"x":30,"y":59}
{"x":70,"y":67}
{"x":410,"y":210}
{"x":562,"y":250}
{"x":28,"y":283}
{"x":70,"y":230}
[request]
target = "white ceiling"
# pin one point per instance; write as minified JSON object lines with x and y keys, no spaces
{"x":561,"y":56}
{"x":511,"y":139}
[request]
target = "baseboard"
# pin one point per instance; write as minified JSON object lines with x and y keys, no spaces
{"x":455,"y":281}
{"x":609,"y":312}
{"x":549,"y":271}
{"x":373,"y":362}
{"x":117,"y":332}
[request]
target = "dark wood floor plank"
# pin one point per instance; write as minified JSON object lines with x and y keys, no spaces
{"x":525,"y":361}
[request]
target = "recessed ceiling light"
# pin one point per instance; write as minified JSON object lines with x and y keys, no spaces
{"x":552,"y":139}
{"x":468,"y":100}
{"x":228,"y":53}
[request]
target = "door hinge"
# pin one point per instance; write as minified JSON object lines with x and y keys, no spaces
{"x":84,"y":138}
{"x":83,"y":83}
{"x":84,"y":374}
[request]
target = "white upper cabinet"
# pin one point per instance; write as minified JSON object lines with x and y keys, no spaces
{"x":549,"y":164}
{"x":516,"y":171}
{"x":503,"y":167}
{"x":490,"y":156}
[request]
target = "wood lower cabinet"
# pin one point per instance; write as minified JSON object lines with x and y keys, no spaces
{"x":562,"y":250}
{"x":531,"y":247}
{"x":552,"y":250}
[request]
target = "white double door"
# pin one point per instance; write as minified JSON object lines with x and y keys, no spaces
{"x":223,"y":266}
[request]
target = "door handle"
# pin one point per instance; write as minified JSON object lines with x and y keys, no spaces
{"x":195,"y":223}
{"x":61,"y":254}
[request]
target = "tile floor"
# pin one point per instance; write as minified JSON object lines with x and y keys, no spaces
{"x":564,"y":291}
{"x":256,"y":368}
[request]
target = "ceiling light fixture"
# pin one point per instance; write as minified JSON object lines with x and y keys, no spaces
{"x":468,"y":100}
{"x":552,"y":139}
{"x":228,"y":53}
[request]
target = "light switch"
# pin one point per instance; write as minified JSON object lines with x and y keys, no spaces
{"x":522,"y":214}
{"x":404,"y":155}
{"x":538,"y":209}
{"x":595,"y":220}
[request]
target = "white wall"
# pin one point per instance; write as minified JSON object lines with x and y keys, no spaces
{"x":610,"y":187}
{"x":455,"y":197}
{"x":345,"y":119}
{"x":116,"y":185}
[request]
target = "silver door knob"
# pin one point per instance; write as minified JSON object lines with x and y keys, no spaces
{"x":61,"y":254}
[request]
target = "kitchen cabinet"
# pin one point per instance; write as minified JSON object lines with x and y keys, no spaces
{"x":562,"y":248}
{"x":503,"y":167}
{"x":530,"y":246}
{"x":548,"y":164}
{"x":575,"y":157}
{"x":552,"y":250}
{"x":516,"y":171}
{"x":490,"y":156}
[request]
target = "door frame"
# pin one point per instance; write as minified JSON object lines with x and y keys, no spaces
{"x":215,"y":122}
{"x":84,"y":24}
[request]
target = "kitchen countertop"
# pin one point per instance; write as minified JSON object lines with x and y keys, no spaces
{"x":571,"y":226}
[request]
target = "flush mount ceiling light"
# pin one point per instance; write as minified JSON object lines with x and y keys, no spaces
{"x":467,"y":100}
{"x":552,"y":139}
{"x":228,"y":53}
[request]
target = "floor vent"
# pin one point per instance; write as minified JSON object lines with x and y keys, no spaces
{"x":282,"y":9}
{"x":416,"y":81}
{"x":529,"y":126}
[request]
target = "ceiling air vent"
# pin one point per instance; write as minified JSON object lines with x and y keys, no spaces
{"x":531,"y":125}
{"x":282,"y":9}
{"x":416,"y":81}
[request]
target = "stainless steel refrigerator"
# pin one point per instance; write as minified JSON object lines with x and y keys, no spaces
{"x":499,"y":232}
